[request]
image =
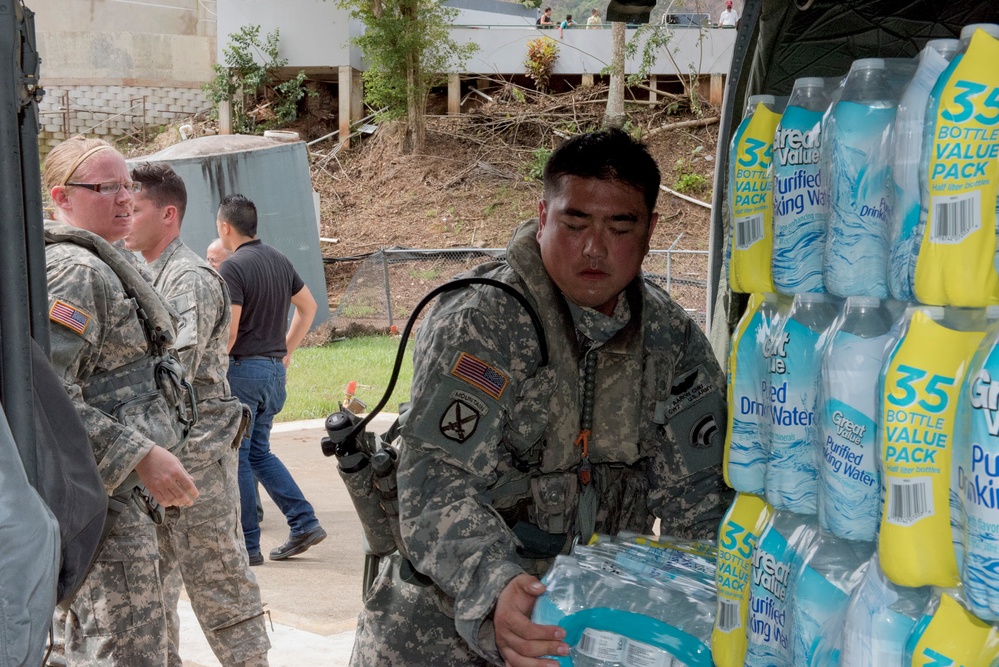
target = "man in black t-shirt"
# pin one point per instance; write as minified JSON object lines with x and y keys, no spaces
{"x":263,"y":285}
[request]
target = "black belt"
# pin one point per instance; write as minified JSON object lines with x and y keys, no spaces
{"x":252,"y":357}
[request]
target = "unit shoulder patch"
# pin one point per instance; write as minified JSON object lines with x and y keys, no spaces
{"x":69,"y":316}
{"x":479,"y":374}
{"x":688,"y":389}
{"x":459,"y":421}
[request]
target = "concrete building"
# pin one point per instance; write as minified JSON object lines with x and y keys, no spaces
{"x":115,"y":67}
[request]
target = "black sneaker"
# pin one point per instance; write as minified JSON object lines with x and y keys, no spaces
{"x":297,"y":544}
{"x":256,"y":559}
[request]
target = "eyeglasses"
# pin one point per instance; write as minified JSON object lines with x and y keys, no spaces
{"x":110,"y":188}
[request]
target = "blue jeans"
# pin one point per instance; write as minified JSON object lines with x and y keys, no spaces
{"x":260,"y":384}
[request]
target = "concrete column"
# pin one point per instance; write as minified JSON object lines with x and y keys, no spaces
{"x":453,"y":94}
{"x":717,"y":89}
{"x":653,"y":79}
{"x":225,"y":117}
{"x":346,"y":103}
{"x":587,"y":80}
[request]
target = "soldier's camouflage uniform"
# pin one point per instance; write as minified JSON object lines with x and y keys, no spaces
{"x":203,"y":544}
{"x":487,"y":451}
{"x":117,"y":617}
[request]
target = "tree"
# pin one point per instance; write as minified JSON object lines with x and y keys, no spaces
{"x":614,"y":116}
{"x":656,"y":39}
{"x":409,"y":49}
{"x":250,"y":68}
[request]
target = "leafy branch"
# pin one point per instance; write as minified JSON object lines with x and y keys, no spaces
{"x":248,"y":72}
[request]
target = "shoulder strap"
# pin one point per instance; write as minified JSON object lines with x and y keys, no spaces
{"x":153,"y":312}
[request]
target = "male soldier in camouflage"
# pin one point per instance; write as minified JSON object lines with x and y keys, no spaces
{"x":202,"y":544}
{"x":504,"y":460}
{"x":101,"y":348}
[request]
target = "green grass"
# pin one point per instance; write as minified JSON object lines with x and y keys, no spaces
{"x":318,"y":376}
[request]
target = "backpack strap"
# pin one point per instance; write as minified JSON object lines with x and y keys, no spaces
{"x":152,"y":309}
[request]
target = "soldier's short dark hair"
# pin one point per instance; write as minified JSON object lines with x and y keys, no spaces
{"x":162,"y":185}
{"x":608,"y":155}
{"x":239,"y":212}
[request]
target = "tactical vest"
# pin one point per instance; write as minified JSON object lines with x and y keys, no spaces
{"x":151,"y":394}
{"x":643,"y":391}
{"x":543,"y":498}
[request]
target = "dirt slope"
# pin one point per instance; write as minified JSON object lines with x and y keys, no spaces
{"x":470,"y":186}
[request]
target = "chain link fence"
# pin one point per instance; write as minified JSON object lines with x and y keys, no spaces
{"x":391,"y":282}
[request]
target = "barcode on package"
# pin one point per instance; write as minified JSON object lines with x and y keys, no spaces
{"x":955,"y":217}
{"x":638,"y":654}
{"x":748,"y":231}
{"x":909,"y":500}
{"x":601,"y":645}
{"x":729,"y":618}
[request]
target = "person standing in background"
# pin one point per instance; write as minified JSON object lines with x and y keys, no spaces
{"x":729,"y":17}
{"x":567,"y":23}
{"x":217,"y":253}
{"x":263,"y":284}
{"x":546,"y":20}
{"x":593,"y":22}
{"x":198,"y":546}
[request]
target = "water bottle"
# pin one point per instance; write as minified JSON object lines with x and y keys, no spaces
{"x":832,"y":569}
{"x":921,"y":381}
{"x":794,"y":354}
{"x":776,"y":560}
{"x":849,"y":472}
{"x":750,"y":200}
{"x":879,"y":619}
{"x":799,"y":210}
{"x":746,"y":443}
{"x":976,"y":478}
{"x":957,"y":261}
{"x":906,"y":155}
{"x":856,"y":252}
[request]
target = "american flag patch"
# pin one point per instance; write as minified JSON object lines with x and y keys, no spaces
{"x":68,"y":316}
{"x":480,"y":374}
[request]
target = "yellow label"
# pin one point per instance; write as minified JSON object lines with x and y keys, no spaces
{"x":955,"y":265}
{"x":700,"y":549}
{"x":737,"y":537}
{"x":751,"y":203}
{"x":921,"y":385}
{"x":955,"y":637}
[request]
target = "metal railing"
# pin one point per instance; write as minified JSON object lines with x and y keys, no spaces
{"x":390,"y":282}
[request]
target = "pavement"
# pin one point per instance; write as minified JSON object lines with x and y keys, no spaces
{"x":312,"y":599}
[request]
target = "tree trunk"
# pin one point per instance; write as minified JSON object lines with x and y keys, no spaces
{"x":416,"y":101}
{"x":614,"y":116}
{"x":415,"y":131}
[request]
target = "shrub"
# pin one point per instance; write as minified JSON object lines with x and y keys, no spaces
{"x":688,"y":180}
{"x":541,"y":56}
{"x":241,"y":79}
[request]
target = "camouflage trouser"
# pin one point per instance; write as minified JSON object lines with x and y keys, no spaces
{"x":116,"y":618}
{"x":202,"y":547}
{"x":405,"y":625}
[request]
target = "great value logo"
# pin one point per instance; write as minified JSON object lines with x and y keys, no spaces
{"x":985,"y":398}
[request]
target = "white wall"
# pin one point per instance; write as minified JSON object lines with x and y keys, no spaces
{"x":133,"y":42}
{"x":581,"y":51}
{"x":316,"y":33}
{"x":313,"y":33}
